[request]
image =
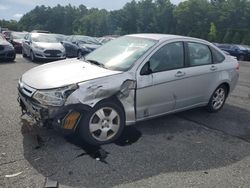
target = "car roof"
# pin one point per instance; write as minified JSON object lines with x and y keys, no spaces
{"x":165,"y":37}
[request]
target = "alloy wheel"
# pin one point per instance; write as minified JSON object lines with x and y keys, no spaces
{"x":218,"y":98}
{"x":104,"y":124}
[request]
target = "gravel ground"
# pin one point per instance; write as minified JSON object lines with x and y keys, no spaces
{"x":188,"y":149}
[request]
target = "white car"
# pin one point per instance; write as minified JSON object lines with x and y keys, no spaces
{"x":130,"y":79}
{"x":42,"y":46}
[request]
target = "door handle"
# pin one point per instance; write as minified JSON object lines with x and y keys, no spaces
{"x":213,"y":68}
{"x":180,"y":74}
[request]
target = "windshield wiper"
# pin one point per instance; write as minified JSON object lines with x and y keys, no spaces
{"x":95,"y":63}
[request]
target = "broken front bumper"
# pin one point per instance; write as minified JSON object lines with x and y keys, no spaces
{"x":65,"y":118}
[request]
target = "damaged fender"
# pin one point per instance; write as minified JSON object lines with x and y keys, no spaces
{"x":91,"y":92}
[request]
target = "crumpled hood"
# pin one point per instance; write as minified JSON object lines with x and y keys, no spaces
{"x":49,"y":46}
{"x":63,"y":73}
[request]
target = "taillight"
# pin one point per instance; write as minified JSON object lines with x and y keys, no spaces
{"x":238,"y":66}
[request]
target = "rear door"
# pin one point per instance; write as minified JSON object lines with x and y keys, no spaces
{"x":200,"y":76}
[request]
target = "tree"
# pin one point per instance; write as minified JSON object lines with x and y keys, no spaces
{"x":236,"y":38}
{"x":212,"y":35}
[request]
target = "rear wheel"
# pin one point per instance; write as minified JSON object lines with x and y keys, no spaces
{"x":79,"y":54}
{"x":103,"y":124}
{"x":241,"y":58}
{"x":23,"y":53}
{"x":217,"y":99}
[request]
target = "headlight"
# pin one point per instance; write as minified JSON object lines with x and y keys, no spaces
{"x":38,"y":47}
{"x":54,"y":97}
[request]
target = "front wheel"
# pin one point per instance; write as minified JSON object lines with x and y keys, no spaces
{"x":217,"y":99}
{"x":32,"y":56}
{"x":103,"y":124}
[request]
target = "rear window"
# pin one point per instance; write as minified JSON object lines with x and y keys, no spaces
{"x":217,"y":56}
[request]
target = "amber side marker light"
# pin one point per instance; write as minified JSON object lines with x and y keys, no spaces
{"x":70,"y":120}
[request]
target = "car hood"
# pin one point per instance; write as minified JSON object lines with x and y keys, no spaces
{"x":91,"y":46}
{"x":47,"y":45}
{"x":18,"y":40}
{"x":5,"y":43}
{"x":63,"y":73}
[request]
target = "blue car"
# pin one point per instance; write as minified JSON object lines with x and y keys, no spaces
{"x":78,"y":45}
{"x":240,"y":52}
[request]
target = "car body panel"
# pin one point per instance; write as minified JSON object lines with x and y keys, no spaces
{"x":62,"y":73}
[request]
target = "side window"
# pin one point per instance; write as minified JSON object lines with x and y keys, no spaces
{"x":199,"y":54}
{"x":170,"y":56}
{"x":217,"y":56}
{"x":29,"y":37}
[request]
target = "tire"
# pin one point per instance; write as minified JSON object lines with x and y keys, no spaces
{"x":13,"y":58}
{"x":217,"y":99}
{"x":79,"y":54}
{"x":241,"y":58}
{"x":24,"y":54}
{"x":32,"y":56}
{"x":96,"y":127}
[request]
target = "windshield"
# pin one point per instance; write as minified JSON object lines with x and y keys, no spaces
{"x":2,"y":38}
{"x":86,"y":39}
{"x":44,"y":38}
{"x":18,"y":35}
{"x":121,"y":54}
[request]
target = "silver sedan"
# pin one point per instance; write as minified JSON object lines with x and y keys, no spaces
{"x":42,"y":46}
{"x":130,"y":79}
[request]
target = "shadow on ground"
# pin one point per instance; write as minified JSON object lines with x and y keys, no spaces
{"x":174,"y":143}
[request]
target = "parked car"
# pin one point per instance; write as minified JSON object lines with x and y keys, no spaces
{"x":130,"y":79}
{"x":60,"y":37}
{"x":42,"y":46}
{"x":104,"y":40}
{"x":40,"y":31}
{"x":78,"y":45}
{"x":16,"y":39}
{"x":237,"y":51}
{"x":6,"y":35}
{"x":7,"y":51}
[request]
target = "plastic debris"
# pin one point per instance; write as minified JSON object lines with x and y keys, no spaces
{"x":13,"y":175}
{"x":50,"y":183}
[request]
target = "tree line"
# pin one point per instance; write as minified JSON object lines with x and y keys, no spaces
{"x":223,"y":21}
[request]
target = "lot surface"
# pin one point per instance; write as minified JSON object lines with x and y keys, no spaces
{"x":188,"y":149}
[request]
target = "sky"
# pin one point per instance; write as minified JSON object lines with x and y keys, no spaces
{"x":14,"y":9}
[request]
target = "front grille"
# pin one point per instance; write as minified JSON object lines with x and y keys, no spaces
{"x":52,"y":53}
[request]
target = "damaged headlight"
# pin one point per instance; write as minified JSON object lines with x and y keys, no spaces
{"x":54,"y":97}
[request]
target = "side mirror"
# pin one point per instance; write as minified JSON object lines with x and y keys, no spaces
{"x":146,"y":69}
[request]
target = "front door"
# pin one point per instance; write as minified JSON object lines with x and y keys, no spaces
{"x":156,"y":91}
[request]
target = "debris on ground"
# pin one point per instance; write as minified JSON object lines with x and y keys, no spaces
{"x":13,"y":175}
{"x":50,"y":183}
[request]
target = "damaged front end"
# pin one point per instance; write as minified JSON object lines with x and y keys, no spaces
{"x":64,"y":107}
